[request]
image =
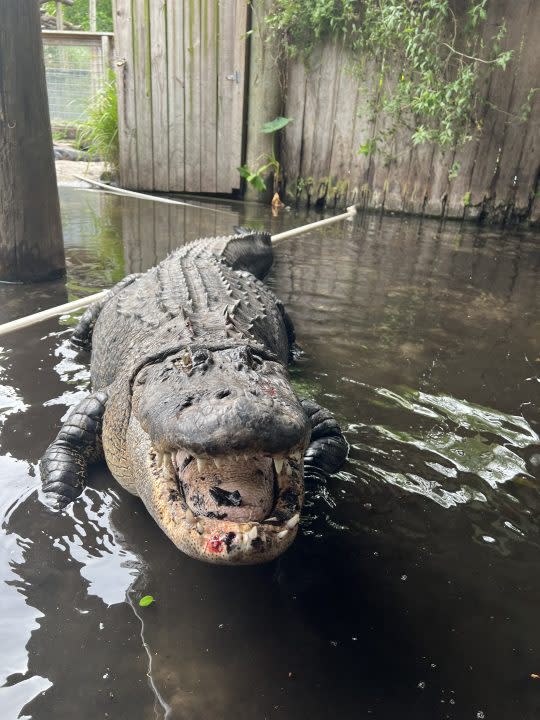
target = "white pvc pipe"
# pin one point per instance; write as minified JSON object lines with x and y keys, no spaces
{"x":351,"y":212}
{"x":50,"y":312}
{"x":146,"y":196}
{"x":84,"y":302}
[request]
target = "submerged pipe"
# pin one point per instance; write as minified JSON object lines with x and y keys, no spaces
{"x":23,"y":322}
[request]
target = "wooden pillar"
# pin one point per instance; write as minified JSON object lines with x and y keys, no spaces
{"x":31,"y":245}
{"x":265,"y":98}
{"x":59,"y":15}
{"x":92,"y":15}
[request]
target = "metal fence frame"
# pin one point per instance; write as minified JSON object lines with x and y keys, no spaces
{"x":101,"y":42}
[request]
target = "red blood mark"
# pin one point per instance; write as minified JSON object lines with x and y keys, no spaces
{"x":269,"y":390}
{"x":216,"y":543}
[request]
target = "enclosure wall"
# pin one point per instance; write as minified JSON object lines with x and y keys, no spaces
{"x":495,"y":175}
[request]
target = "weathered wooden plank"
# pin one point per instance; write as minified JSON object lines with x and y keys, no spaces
{"x":292,"y":146}
{"x":364,"y":128}
{"x":239,"y":61}
{"x":209,"y":46}
{"x":487,"y":166}
{"x":415,"y":187}
{"x":325,"y":113}
{"x":437,"y":186}
{"x":343,"y":150}
{"x":226,"y":70}
{"x":125,"y":85}
{"x":175,"y":89}
{"x":519,"y":165}
{"x":459,"y":201}
{"x":143,"y":92}
{"x":192,"y":79}
{"x":230,"y":92}
{"x":159,"y":92}
{"x":310,"y":140}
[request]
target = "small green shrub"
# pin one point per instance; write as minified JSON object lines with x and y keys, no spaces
{"x":98,"y":133}
{"x":429,"y":60}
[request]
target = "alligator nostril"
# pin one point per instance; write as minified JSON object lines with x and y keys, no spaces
{"x":222,"y":393}
{"x":239,"y":366}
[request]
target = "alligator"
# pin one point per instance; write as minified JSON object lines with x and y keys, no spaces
{"x":192,"y":406}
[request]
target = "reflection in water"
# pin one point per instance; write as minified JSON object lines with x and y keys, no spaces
{"x":413,"y":583}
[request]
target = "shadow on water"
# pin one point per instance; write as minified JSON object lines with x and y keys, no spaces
{"x":412,"y":588}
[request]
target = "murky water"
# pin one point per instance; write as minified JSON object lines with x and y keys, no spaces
{"x":413,"y":589}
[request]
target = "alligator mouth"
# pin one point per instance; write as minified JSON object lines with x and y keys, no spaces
{"x":236,"y":504}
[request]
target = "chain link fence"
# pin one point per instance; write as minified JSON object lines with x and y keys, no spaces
{"x":76,"y":65}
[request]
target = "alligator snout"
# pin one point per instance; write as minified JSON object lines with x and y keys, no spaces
{"x":220,"y":403}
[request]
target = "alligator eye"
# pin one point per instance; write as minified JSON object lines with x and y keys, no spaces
{"x":252,"y":361}
{"x":200,"y":356}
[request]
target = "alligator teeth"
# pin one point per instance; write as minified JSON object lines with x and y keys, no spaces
{"x":200,"y":528}
{"x":190,"y":517}
{"x":288,"y":469}
{"x":201,"y":462}
{"x":168,"y":466}
{"x":219,"y":462}
{"x":293,"y":522}
{"x":278,"y":464}
{"x":246,"y":457}
{"x":252,"y":534}
{"x":159,"y":458}
{"x":282,"y":534}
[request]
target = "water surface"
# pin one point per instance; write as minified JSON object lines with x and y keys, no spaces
{"x":412,"y":590}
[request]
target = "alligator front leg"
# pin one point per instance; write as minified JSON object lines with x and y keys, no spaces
{"x":82,"y":334}
{"x":64,"y":465}
{"x":327,"y":450}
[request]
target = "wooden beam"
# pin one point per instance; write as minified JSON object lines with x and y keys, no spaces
{"x":59,"y":15}
{"x":31,"y":245}
{"x":92,"y":15}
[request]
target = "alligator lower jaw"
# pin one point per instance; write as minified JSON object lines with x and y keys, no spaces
{"x":213,"y":539}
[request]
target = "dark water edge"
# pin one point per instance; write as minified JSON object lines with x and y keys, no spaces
{"x":412,"y":590}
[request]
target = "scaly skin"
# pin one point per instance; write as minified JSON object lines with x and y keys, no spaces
{"x":200,"y":418}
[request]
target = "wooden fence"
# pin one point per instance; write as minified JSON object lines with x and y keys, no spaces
{"x":496,"y":176}
{"x":181,"y":75}
{"x":185,"y":119}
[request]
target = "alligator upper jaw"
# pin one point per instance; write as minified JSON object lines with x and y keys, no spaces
{"x":233,"y":531}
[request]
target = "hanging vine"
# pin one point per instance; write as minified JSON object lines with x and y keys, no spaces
{"x":429,"y":60}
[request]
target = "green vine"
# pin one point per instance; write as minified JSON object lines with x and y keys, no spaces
{"x":428,"y":60}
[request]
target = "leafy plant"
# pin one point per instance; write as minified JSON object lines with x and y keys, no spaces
{"x":98,"y":133}
{"x":270,"y":164}
{"x":146,"y":601}
{"x":77,"y":14}
{"x":429,"y":60}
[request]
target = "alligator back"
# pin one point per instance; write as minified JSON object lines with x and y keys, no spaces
{"x":193,"y":297}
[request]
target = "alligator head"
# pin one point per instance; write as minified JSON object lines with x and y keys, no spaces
{"x":220,"y":437}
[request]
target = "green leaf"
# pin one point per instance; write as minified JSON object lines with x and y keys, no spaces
{"x":146,"y":600}
{"x":244,"y":171}
{"x":275,"y":124}
{"x":257,"y":182}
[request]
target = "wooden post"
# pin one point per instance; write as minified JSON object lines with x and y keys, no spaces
{"x":31,"y":245}
{"x":92,"y":15}
{"x":59,"y":15}
{"x":105,"y":56}
{"x":265,"y":98}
